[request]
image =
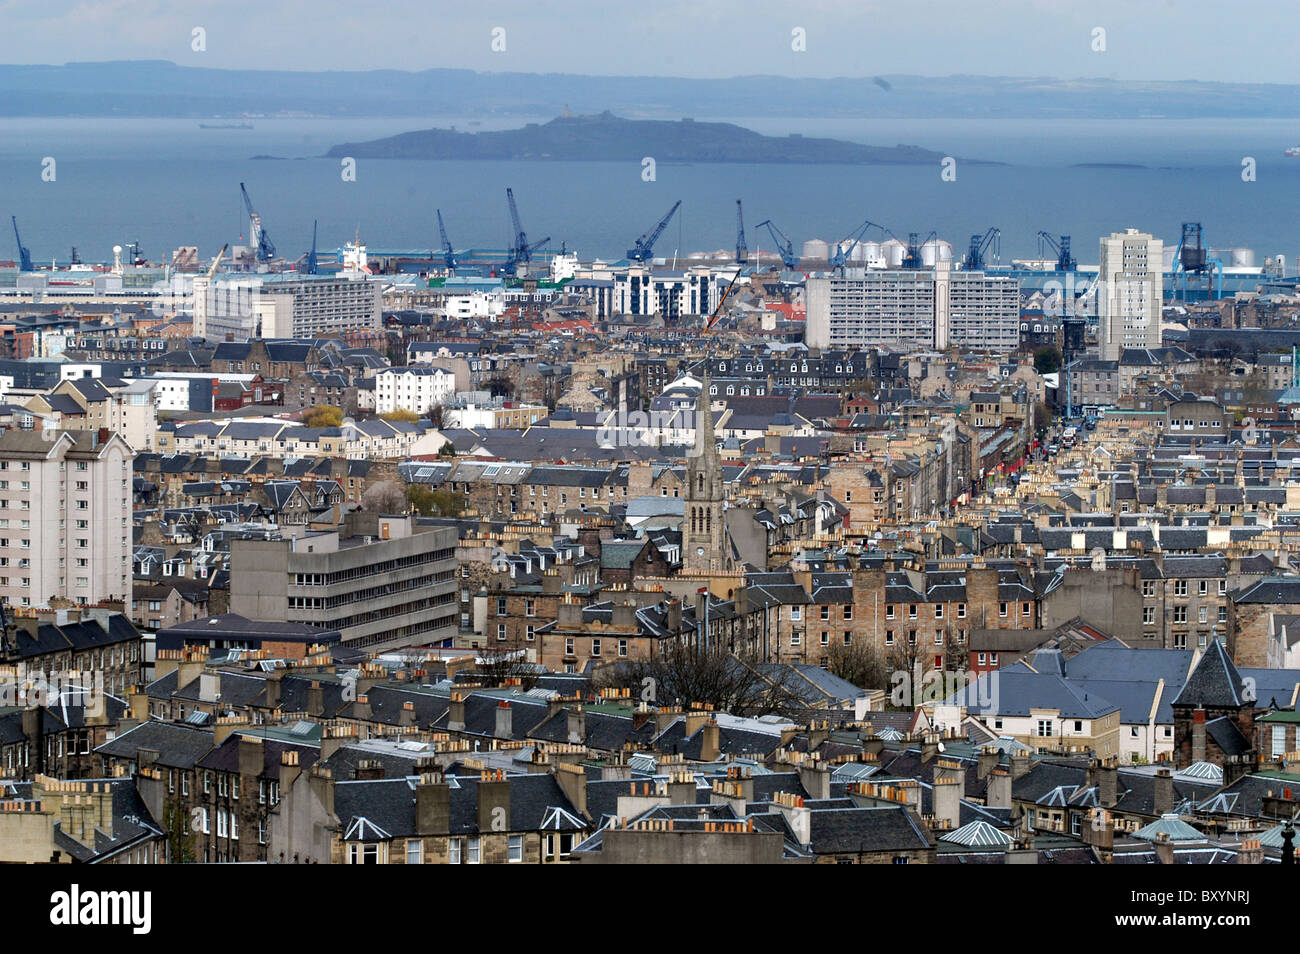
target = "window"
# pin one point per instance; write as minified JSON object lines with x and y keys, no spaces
{"x":848,"y":611}
{"x":622,"y":647}
{"x":472,"y":855}
{"x":1180,"y":614}
{"x":568,"y":646}
{"x":1148,"y":588}
{"x":1148,"y":615}
{"x":501,"y":606}
{"x":516,"y":848}
{"x":1203,"y":587}
{"x":981,"y":659}
{"x":796,"y":613}
{"x":501,"y":630}
{"x":911,"y":611}
{"x":961,"y":610}
{"x":1002,"y":609}
{"x":826,"y":638}
{"x":1044,"y":728}
{"x":595,"y":646}
{"x":1026,"y":609}
{"x":1180,"y":587}
{"x":938,"y":611}
{"x":414,"y":851}
{"x":889,"y":637}
{"x":453,"y":851}
{"x":826,"y":612}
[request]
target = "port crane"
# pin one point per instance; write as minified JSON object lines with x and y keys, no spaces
{"x":644,"y":248}
{"x":784,"y":245}
{"x":742,"y":250}
{"x":448,"y":254}
{"x":522,"y":252}
{"x":841,"y":254}
{"x":256,"y":234}
{"x":24,"y":256}
{"x":979,"y":245}
{"x":1064,"y":260}
{"x":1192,"y":262}
{"x":313,"y":265}
{"x":912,"y":258}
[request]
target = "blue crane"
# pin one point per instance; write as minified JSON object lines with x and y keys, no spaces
{"x":841,"y":254}
{"x":521,"y":253}
{"x":24,"y":256}
{"x":313,"y":268}
{"x":742,"y":250}
{"x":448,"y":254}
{"x":1192,"y":262}
{"x":257,"y":234}
{"x":979,"y":244}
{"x":912,"y":258}
{"x":644,"y":248}
{"x":1064,"y":260}
{"x":784,"y":245}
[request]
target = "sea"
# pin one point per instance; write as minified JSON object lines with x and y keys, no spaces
{"x":166,"y":183}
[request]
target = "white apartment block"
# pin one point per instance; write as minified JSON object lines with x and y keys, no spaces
{"x":65,"y":518}
{"x":1130,"y":289}
{"x":413,"y":389}
{"x":927,"y":308}
{"x":639,"y":291}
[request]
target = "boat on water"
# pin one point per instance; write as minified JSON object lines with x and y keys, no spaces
{"x":225,"y":125}
{"x":1293,"y":151}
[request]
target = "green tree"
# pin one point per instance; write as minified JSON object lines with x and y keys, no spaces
{"x":1047,"y":360}
{"x":429,"y":502}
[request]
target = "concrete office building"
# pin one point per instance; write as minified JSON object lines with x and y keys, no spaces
{"x":65,"y":518}
{"x":1130,"y":289}
{"x":928,"y":308}
{"x":284,"y":306}
{"x":381,"y":581}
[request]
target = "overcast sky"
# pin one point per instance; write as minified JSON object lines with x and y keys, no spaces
{"x":1144,"y":39}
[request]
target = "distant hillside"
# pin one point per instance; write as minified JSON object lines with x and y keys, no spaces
{"x":610,"y":138}
{"x":160,"y":88}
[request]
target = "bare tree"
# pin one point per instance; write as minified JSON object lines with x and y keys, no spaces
{"x":687,"y":674}
{"x":858,"y":664}
{"x":502,"y":665}
{"x":384,"y":497}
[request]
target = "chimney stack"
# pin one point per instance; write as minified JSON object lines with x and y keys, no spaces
{"x":947,"y":802}
{"x":493,"y":802}
{"x":1163,"y":796}
{"x":504,"y":721}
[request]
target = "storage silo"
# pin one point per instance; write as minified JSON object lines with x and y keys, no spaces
{"x":816,"y":250}
{"x":893,"y":252}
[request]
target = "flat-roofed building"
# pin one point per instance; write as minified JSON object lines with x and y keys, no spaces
{"x":382,"y":581}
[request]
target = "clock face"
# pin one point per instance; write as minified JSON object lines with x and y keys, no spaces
{"x":699,"y":551}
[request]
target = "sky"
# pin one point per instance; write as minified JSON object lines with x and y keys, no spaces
{"x":1143,"y":39}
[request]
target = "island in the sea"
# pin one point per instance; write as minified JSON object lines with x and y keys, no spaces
{"x":606,"y":137}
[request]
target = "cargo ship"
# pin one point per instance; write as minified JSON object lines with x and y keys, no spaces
{"x":225,"y":125}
